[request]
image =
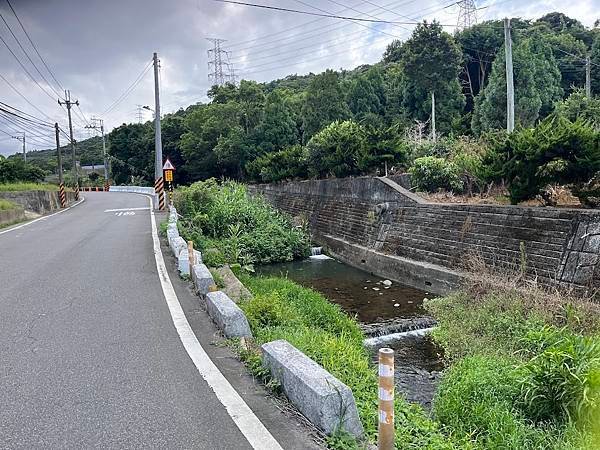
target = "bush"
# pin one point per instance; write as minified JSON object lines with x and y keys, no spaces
{"x":336,"y":150}
{"x":430,"y":174}
{"x":14,"y":170}
{"x":561,"y":382}
{"x":557,"y":151}
{"x":285,"y":164}
{"x":231,"y":226}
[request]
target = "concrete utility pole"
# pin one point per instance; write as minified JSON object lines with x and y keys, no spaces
{"x":588,"y":77}
{"x":100,"y":127}
{"x":433,"y":131}
{"x":510,"y":84}
{"x":58,"y":154}
{"x":158,"y":171}
{"x":22,"y":139}
{"x":69,"y":103}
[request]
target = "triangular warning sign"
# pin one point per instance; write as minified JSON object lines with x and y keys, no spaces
{"x":168,"y":165}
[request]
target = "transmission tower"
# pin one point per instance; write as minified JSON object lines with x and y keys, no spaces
{"x":467,"y":14}
{"x":139,"y":114}
{"x":220,"y":70}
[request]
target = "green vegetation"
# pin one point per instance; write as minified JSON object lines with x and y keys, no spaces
{"x":281,"y":309}
{"x":16,"y":170}
{"x":378,"y":117}
{"x":5,"y":204}
{"x":230,"y":226}
{"x":13,"y":187}
{"x":525,"y":369}
{"x":430,"y":174}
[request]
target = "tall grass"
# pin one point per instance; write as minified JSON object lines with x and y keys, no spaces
{"x":13,"y":187}
{"x":5,"y":204}
{"x":281,"y":309}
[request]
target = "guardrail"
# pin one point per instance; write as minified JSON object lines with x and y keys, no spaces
{"x":137,"y":190}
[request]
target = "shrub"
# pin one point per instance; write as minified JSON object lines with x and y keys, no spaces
{"x":336,"y":150}
{"x":561,"y":382}
{"x":16,"y":170}
{"x":430,"y":174}
{"x":556,"y":151}
{"x":285,"y":164}
{"x":231,"y":226}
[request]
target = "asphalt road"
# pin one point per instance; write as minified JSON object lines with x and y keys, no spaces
{"x":89,"y":355}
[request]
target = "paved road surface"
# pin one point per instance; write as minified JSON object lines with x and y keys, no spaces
{"x":89,"y":355}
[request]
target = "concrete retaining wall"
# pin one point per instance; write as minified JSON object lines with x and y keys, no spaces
{"x":40,"y":202}
{"x":137,"y":190}
{"x":11,"y":215}
{"x":376,"y":217}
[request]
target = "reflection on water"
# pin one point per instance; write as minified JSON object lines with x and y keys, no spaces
{"x":356,"y":291}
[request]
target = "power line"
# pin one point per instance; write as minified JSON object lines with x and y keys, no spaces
{"x":34,"y":46}
{"x":332,"y":16}
{"x":128,"y":91}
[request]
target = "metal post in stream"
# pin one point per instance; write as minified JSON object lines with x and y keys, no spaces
{"x":385,"y":436}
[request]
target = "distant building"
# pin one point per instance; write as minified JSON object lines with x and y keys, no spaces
{"x":86,"y":170}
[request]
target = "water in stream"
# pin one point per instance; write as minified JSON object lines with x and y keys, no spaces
{"x":380,"y":310}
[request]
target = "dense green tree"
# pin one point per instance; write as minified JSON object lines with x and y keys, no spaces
{"x":560,"y":23}
{"x":366,"y":94}
{"x":278,"y":128}
{"x":578,"y":106}
{"x":431,"y":61}
{"x":324,"y":103}
{"x":223,"y":94}
{"x":232,"y":152}
{"x":172,"y":128}
{"x":251,"y":99}
{"x":16,"y":170}
{"x":595,"y":69}
{"x":131,"y":152}
{"x":286,"y":164}
{"x":537,"y":87}
{"x":336,"y":150}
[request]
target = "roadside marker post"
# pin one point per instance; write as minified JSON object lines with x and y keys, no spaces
{"x":385,"y":438}
{"x":168,"y":169}
{"x":191,"y":254}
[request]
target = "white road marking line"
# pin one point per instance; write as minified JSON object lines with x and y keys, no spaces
{"x":251,"y":427}
{"x":43,"y":217}
{"x":127,"y":209}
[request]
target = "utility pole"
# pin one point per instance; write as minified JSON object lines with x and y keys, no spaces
{"x":588,"y":77}
{"x":22,"y":139}
{"x":510,"y":84}
{"x":61,"y":183}
{"x":69,"y":103}
{"x":100,"y":127}
{"x":433,"y":132}
{"x":159,"y":186}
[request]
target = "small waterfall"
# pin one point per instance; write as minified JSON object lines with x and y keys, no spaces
{"x":387,"y":338}
{"x":398,"y":326}
{"x":316,"y":253}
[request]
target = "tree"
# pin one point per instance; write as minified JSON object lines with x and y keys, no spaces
{"x":278,"y":128}
{"x":537,"y":87}
{"x":251,"y":99}
{"x":595,"y":69}
{"x":324,"y":103}
{"x":336,"y":150}
{"x":431,"y":62}
{"x":578,"y":106}
{"x":232,"y":151}
{"x":131,"y":149}
{"x":366,"y":94}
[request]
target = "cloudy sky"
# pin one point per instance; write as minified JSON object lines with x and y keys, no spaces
{"x":98,"y":49}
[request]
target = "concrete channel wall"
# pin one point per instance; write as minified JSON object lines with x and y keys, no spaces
{"x":40,"y":202}
{"x":377,"y":224}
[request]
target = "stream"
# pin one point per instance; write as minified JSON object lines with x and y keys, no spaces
{"x":384,"y":312}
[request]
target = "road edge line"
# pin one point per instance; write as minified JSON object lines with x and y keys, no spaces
{"x":244,"y":418}
{"x":44,"y":217}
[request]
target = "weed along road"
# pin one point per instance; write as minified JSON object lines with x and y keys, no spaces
{"x":94,"y":354}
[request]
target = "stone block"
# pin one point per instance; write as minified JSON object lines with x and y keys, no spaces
{"x":203,"y":280}
{"x":177,"y":245}
{"x":227,"y":315}
{"x":319,"y":396}
{"x":171,"y":235}
{"x":183,"y":260}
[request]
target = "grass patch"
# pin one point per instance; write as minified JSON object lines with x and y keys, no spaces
{"x":5,"y":205}
{"x":13,"y":187}
{"x":525,"y":367}
{"x":282,"y":309}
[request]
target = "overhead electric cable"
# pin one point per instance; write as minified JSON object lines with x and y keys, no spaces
{"x":129,"y":89}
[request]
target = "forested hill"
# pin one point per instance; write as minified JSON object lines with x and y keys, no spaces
{"x":89,"y":151}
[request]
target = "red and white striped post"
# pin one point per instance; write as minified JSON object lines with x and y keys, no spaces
{"x":385,"y":439}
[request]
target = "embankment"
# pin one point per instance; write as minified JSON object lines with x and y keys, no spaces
{"x":39,"y":202}
{"x":376,"y":224}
